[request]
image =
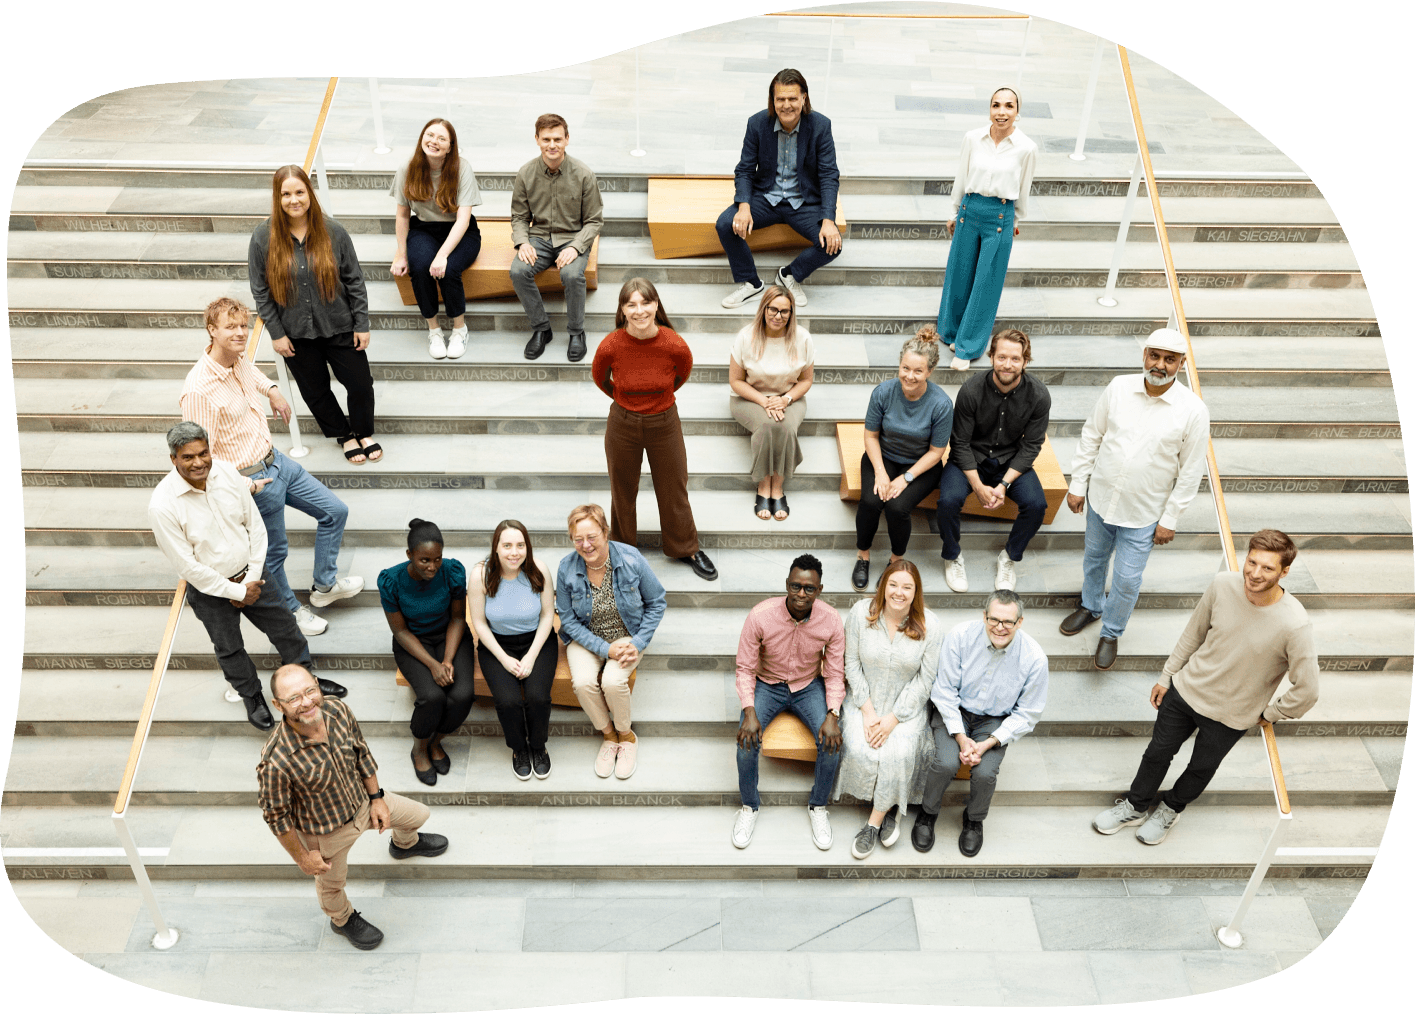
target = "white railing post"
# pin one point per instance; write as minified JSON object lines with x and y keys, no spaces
{"x":638,"y":150}
{"x":1229,"y":935}
{"x":829,"y":63}
{"x":380,"y":146}
{"x":320,"y":170}
{"x":297,"y":449}
{"x":166,"y":935}
{"x":1022,"y":60}
{"x":1079,"y":155}
{"x":1121,"y":237}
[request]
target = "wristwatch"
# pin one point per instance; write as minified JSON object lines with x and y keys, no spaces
{"x":908,"y":476}
{"x":834,"y":711}
{"x":1006,"y":484}
{"x":376,"y":795}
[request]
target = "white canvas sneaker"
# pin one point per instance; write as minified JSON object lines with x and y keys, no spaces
{"x":960,"y":364}
{"x":1006,"y":573}
{"x":741,"y":294}
{"x":344,"y":588}
{"x":457,"y":344}
{"x":820,"y":827}
{"x":955,"y":575}
{"x":792,"y":286}
{"x":436,"y":347}
{"x":743,"y":827}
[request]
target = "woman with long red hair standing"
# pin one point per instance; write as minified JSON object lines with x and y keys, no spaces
{"x":437,"y":236}
{"x":309,"y":290}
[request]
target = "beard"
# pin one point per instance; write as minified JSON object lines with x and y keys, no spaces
{"x":1158,"y":383}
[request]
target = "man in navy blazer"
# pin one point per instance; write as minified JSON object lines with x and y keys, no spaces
{"x":787,"y":174}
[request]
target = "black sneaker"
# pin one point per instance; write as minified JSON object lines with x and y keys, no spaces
{"x":428,"y":845}
{"x":540,"y":763}
{"x":360,"y":932}
{"x":521,"y":764}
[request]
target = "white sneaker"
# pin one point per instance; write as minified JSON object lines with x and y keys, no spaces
{"x":436,"y":347}
{"x":820,"y":827}
{"x":344,"y":588}
{"x":792,"y":286}
{"x":457,"y":344}
{"x":741,"y":294}
{"x":310,"y":625}
{"x":1006,"y":572}
{"x":955,"y":575}
{"x":742,"y":829}
{"x":960,"y":364}
{"x":1156,"y":827}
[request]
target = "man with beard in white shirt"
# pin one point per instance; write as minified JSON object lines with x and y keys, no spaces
{"x":1136,"y":469}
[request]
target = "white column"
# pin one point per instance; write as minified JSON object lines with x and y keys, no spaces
{"x":638,"y":150}
{"x":380,"y":146}
{"x":1119,"y":255}
{"x":1079,"y":154}
{"x":297,"y":449}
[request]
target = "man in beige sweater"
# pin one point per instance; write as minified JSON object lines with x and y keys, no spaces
{"x":1243,"y":636}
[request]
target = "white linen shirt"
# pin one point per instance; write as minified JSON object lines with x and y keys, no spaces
{"x":1140,"y":458}
{"x":212,"y":535}
{"x":995,"y":170}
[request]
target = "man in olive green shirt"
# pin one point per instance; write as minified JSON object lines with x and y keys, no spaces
{"x":556,"y":213}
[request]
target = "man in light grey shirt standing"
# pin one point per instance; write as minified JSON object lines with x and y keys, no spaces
{"x":556,"y":213}
{"x":989,"y":692}
{"x":1136,"y":469}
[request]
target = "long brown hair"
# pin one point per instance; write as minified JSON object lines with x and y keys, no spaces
{"x":417,"y":182}
{"x":280,"y":255}
{"x":645,"y":288}
{"x":913,"y":625}
{"x":491,"y":573}
{"x":759,"y":336}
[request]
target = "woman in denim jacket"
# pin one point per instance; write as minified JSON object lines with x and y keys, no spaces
{"x":609,"y":603}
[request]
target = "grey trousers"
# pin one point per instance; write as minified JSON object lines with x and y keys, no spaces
{"x":983,"y":781}
{"x":776,"y":450}
{"x":572,"y":276}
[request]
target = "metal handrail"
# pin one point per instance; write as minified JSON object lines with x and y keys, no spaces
{"x":166,"y":935}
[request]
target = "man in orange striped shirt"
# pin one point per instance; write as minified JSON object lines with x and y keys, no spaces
{"x":223,"y":394}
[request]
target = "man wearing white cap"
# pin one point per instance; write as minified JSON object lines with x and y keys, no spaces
{"x":1137,"y":466}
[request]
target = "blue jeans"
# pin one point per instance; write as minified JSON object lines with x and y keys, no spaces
{"x":806,"y":220}
{"x":1025,"y":492}
{"x":807,"y":704}
{"x":1131,"y":547}
{"x":977,"y":269}
{"x":294,"y":486}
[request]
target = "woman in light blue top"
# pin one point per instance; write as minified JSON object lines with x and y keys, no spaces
{"x":513,"y":608}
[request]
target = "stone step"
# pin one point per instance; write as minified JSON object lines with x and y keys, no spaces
{"x":60,"y":516}
{"x":554,"y":461}
{"x":688,"y":638}
{"x":692,"y":770}
{"x":667,"y":704}
{"x":671,"y":842}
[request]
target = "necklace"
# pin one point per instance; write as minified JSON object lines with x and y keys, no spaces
{"x":588,"y":566}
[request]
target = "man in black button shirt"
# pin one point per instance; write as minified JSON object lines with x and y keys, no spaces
{"x":999,"y":426}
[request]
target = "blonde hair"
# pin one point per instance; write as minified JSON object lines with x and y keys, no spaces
{"x":586,"y":512}
{"x":759,"y":335}
{"x":924,"y":343}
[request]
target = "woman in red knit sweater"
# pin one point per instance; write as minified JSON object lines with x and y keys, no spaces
{"x":640,"y":364}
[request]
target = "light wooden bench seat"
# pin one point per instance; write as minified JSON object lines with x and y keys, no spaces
{"x":683,"y":219}
{"x":489,"y":277}
{"x":787,"y":738}
{"x":850,"y":440}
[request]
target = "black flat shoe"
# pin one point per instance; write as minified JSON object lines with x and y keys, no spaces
{"x":701,"y":565}
{"x":258,"y":714}
{"x":763,"y":504}
{"x":331,"y":689}
{"x":577,"y":348}
{"x":860,"y":576}
{"x":1105,"y":652}
{"x":360,"y":932}
{"x":922,"y":837}
{"x":428,"y":845}
{"x":970,"y":839}
{"x":538,"y":342}
{"x":428,"y":777}
{"x":779,"y":505}
{"x":442,"y":765}
{"x":1078,"y":621}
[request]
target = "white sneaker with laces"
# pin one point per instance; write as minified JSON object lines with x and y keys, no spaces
{"x":741,"y":294}
{"x":743,"y":827}
{"x":820,"y":827}
{"x":457,"y":344}
{"x":955,"y":575}
{"x":1006,"y":572}
{"x":436,"y":347}
{"x":960,"y":364}
{"x":310,"y":625}
{"x":344,"y":588}
{"x":792,"y":286}
{"x":1156,"y":828}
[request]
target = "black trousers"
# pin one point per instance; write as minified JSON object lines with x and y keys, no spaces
{"x":1174,"y":722}
{"x":896,"y":512}
{"x":270,"y":616}
{"x":438,"y":709}
{"x":523,"y":705}
{"x":424,"y":240}
{"x":313,"y":359}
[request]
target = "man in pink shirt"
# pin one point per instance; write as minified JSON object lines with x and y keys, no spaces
{"x":791,"y":657}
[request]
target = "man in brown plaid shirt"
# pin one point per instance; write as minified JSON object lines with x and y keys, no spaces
{"x":319,"y":790}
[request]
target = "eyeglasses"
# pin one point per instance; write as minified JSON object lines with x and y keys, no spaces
{"x":300,"y":698}
{"x":1004,"y":624}
{"x":772,"y":311}
{"x":796,"y":588}
{"x":588,"y":540}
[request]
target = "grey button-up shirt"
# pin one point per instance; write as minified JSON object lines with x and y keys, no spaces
{"x":972,"y":674}
{"x":561,"y":207}
{"x":786,"y":186}
{"x":308,"y":315}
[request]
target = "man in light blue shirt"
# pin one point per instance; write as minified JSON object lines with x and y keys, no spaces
{"x":990,"y":691}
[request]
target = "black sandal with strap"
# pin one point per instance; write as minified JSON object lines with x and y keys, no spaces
{"x":354,"y":452}
{"x":778,"y":504}
{"x":368,"y":451}
{"x":763,"y":504}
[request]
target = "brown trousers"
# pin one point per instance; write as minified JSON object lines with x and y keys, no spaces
{"x":406,"y":815}
{"x":627,"y":437}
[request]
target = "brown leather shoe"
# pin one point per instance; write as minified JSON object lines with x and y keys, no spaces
{"x":1078,"y":621}
{"x":1105,"y":652}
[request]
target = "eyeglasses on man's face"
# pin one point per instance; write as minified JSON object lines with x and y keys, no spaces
{"x":308,"y":694}
{"x":796,"y":588}
{"x":998,"y":621}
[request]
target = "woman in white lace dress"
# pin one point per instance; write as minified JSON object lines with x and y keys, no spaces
{"x":891,"y":656}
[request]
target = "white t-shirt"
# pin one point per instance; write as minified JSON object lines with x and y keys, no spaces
{"x":773,"y":373}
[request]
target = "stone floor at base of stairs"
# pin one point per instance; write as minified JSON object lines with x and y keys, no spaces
{"x":464,"y":945}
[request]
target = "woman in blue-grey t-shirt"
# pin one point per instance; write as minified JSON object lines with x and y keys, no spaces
{"x":513,"y":610}
{"x":906,"y":436}
{"x":425,"y":603}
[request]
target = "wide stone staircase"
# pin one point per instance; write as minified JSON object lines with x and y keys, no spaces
{"x":109,"y":270}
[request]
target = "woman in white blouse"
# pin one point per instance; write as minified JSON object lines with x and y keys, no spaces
{"x":771,"y":369}
{"x":891,"y":657}
{"x":989,"y":198}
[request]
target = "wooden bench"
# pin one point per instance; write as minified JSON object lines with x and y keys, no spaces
{"x":489,"y":276}
{"x":850,"y":440}
{"x":683,"y":219}
{"x":787,"y":738}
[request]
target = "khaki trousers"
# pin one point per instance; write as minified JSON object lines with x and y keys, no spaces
{"x":628,"y":436}
{"x":602,"y":693}
{"x":406,"y":815}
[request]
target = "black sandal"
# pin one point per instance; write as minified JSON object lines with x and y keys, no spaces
{"x":371,"y":448}
{"x":354,"y":452}
{"x":779,"y":505}
{"x":763,"y":504}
